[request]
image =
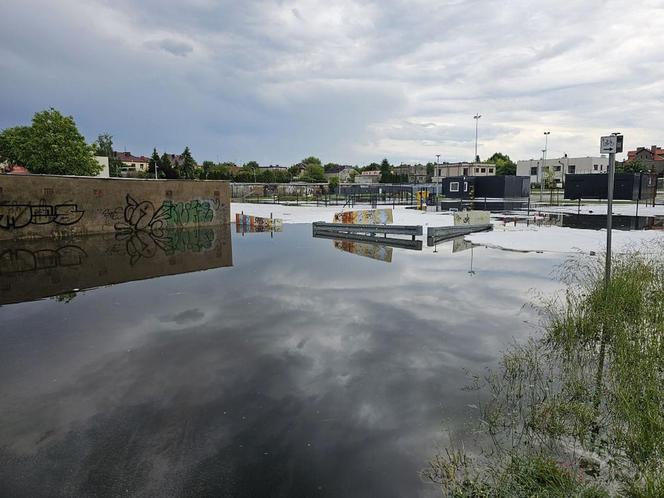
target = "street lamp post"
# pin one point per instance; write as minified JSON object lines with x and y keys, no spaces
{"x":476,"y":117}
{"x":544,"y":151}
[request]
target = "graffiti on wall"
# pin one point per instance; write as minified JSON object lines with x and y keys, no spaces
{"x":186,"y":213}
{"x":140,"y":216}
{"x":13,"y":216}
{"x":256,"y":223}
{"x":145,"y":216}
{"x":24,"y":260}
{"x":369,"y":217}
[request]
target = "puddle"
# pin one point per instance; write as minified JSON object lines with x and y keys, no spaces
{"x":253,"y":364}
{"x":581,"y":221}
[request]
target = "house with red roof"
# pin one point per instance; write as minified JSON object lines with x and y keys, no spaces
{"x":652,"y":157}
{"x":132,"y":163}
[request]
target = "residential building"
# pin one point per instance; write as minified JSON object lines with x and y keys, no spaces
{"x":343,"y":172}
{"x":271,"y":167}
{"x":652,"y":158}
{"x":132,"y":163}
{"x":368,"y":177}
{"x":299,"y":169}
{"x":177,"y":160}
{"x":103,"y":162}
{"x":446,"y":170}
{"x":13,"y":169}
{"x":561,"y":166}
{"x":416,"y":173}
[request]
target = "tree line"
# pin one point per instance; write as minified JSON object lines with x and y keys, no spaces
{"x":52,"y":144}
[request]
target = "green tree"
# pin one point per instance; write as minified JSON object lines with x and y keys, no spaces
{"x":14,"y":143}
{"x":155,"y":162}
{"x":266,"y":176}
{"x":313,"y":161}
{"x":245,"y":176}
{"x":294,"y":170}
{"x":631,"y":166}
{"x":430,"y":171}
{"x":329,"y":166}
{"x":207,"y":167}
{"x":219,"y":172}
{"x":386,"y":175}
{"x":167,"y":168}
{"x":313,"y":173}
{"x":334,"y":183}
{"x":51,"y":145}
{"x":250,"y":166}
{"x":504,"y":165}
{"x":104,"y":147}
{"x":281,"y":176}
{"x":188,"y":164}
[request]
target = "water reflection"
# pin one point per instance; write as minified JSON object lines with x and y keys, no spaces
{"x":584,"y":221}
{"x":373,"y":251}
{"x":368,"y":246}
{"x":298,"y":371}
{"x":46,"y":267}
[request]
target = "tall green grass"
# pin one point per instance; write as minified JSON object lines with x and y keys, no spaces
{"x":578,"y":411}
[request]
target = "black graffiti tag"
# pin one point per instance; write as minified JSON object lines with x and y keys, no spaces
{"x":23,"y":260}
{"x":141,"y":216}
{"x":13,"y":216}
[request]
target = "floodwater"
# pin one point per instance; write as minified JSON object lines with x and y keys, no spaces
{"x":216,"y":363}
{"x":583,"y":221}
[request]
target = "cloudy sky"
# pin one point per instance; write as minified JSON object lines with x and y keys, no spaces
{"x":350,"y":81}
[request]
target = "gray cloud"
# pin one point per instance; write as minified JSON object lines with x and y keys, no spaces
{"x":174,"y":47}
{"x":276,"y":81}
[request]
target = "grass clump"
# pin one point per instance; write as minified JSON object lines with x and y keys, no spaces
{"x":578,"y":411}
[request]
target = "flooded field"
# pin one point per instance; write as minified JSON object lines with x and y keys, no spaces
{"x":246,"y":364}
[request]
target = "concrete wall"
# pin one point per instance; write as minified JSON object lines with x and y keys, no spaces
{"x":34,"y":206}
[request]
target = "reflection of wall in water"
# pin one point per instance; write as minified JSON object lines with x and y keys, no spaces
{"x":40,"y":268}
{"x":373,"y":251}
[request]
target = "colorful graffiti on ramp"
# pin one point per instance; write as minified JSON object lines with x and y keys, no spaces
{"x":366,"y":217}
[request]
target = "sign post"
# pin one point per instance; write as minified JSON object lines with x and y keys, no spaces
{"x":611,"y":145}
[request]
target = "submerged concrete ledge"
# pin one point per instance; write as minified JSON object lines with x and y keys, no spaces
{"x":36,"y":206}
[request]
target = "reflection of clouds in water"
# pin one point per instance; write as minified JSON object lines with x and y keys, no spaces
{"x":193,"y":315}
{"x":282,"y":378}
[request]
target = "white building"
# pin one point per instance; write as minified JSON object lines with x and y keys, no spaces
{"x":103,"y":162}
{"x":446,"y":170}
{"x":560,"y":166}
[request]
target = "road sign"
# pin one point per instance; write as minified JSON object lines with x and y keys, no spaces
{"x":611,"y":145}
{"x":608,"y":145}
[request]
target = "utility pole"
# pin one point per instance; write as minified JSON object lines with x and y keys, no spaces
{"x":476,"y":117}
{"x":546,"y":146}
{"x":611,"y":144}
